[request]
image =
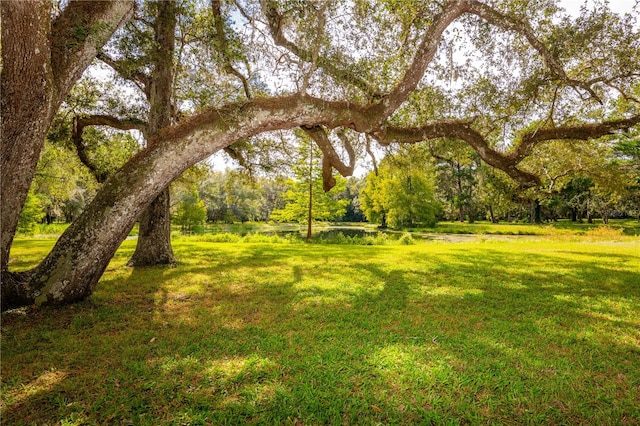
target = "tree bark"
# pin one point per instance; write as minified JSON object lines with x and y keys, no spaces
{"x":154,"y":242}
{"x":491,"y":213}
{"x":27,"y":105}
{"x":310,"y":211}
{"x":459,"y":189}
{"x":41,"y":61}
{"x":154,"y":236}
{"x":537,"y":211}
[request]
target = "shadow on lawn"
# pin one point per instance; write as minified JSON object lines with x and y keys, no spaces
{"x":453,"y":338}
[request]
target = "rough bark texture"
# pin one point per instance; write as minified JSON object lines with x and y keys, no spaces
{"x":41,"y":60}
{"x":154,"y":242}
{"x":154,"y":237}
{"x":27,"y":98}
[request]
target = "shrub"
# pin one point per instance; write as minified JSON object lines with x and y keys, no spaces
{"x":219,"y":238}
{"x":604,"y":233}
{"x":406,"y":240}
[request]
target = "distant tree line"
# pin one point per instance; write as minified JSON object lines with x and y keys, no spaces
{"x":415,"y":186}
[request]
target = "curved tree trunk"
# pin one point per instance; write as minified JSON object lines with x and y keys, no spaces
{"x":72,"y":269}
{"x":154,"y":237}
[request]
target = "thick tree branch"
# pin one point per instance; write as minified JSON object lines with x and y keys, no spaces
{"x":330,"y":158}
{"x":507,"y":162}
{"x":577,"y":132}
{"x":79,"y":123}
{"x":423,"y":56}
{"x":139,"y":78}
{"x":461,"y":130}
{"x":79,"y":32}
{"x":218,"y":21}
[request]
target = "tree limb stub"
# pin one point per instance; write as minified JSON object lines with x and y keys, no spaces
{"x":331,"y":160}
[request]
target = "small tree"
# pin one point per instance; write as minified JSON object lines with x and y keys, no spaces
{"x":306,"y":200}
{"x":403,"y":191}
{"x":191,"y":211}
{"x":32,"y":213}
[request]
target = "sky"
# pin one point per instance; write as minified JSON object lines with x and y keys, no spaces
{"x":619,"y":6}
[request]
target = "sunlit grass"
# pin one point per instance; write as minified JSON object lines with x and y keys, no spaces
{"x":562,"y":227}
{"x":538,"y":332}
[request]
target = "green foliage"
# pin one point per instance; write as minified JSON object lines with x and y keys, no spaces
{"x":406,"y":240}
{"x":402,"y":192}
{"x":233,"y":196}
{"x":191,"y":211}
{"x":62,"y":184}
{"x":32,"y":213}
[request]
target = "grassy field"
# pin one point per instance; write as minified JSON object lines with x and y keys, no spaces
{"x":484,"y":332}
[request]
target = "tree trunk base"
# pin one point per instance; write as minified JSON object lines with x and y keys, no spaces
{"x":16,"y":291}
{"x":154,"y":236}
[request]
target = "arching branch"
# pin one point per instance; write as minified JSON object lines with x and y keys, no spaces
{"x":462,"y":130}
{"x":576,"y":132}
{"x":507,"y":162}
{"x":79,"y":123}
{"x":423,"y":56}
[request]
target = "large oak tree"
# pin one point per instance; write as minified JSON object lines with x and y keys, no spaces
{"x":381,"y":71}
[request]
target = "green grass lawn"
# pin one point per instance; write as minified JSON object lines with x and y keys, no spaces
{"x":485,"y":332}
{"x":561,"y":227}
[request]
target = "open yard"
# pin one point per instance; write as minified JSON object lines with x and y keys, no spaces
{"x":483,"y":332}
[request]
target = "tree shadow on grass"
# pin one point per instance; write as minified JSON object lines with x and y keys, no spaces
{"x":272,"y":335}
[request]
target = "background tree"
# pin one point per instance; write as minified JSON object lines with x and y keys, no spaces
{"x":32,"y":213}
{"x":148,"y":42}
{"x":457,"y":178}
{"x":354,"y":187}
{"x":191,"y":211}
{"x":403,"y":190}
{"x":306,"y":199}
